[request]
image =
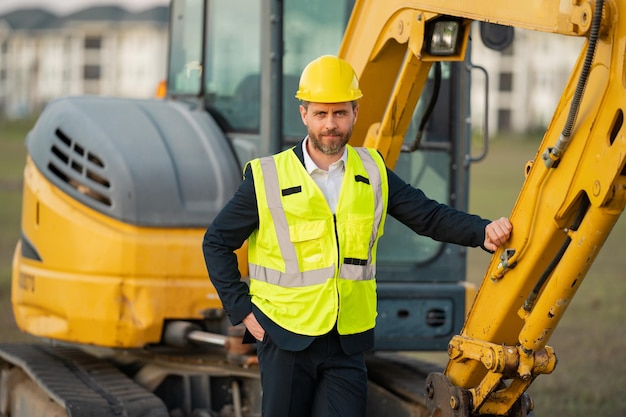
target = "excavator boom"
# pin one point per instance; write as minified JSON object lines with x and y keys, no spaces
{"x":573,"y":194}
{"x":395,"y":35}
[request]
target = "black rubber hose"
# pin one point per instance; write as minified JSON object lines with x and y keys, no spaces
{"x":582,"y":82}
{"x":429,"y":110}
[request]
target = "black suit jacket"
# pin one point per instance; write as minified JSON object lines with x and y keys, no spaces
{"x":239,"y":218}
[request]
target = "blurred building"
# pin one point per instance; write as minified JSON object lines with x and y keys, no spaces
{"x":99,"y":50}
{"x":526,"y":80}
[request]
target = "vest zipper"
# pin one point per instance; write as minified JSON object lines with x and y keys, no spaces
{"x":337,"y":241}
{"x":338,"y":267}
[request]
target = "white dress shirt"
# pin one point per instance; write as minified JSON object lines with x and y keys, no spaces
{"x":328,"y":181}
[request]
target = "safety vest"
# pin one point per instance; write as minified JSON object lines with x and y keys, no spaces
{"x":309,"y":268}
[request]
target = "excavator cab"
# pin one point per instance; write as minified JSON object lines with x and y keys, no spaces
{"x":245,"y":71}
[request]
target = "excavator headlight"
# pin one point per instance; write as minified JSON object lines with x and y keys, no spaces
{"x":444,"y":37}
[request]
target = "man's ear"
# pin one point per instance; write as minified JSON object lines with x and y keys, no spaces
{"x":303,"y":114}
{"x":356,"y":113}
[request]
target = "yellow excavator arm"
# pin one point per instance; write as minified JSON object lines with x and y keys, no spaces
{"x":573,"y":194}
{"x":389,"y":43}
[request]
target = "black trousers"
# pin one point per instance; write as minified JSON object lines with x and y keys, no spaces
{"x":319,"y":381}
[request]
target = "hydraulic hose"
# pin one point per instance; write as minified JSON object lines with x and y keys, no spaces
{"x":427,"y":113}
{"x":566,"y":133}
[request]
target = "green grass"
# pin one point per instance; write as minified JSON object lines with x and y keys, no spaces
{"x":12,"y":158}
{"x":589,"y":341}
{"x":12,"y":136}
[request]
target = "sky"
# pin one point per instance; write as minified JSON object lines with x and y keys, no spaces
{"x":68,"y":6}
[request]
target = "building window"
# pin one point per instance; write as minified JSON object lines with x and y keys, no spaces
{"x":93,"y":42}
{"x":504,"y":120}
{"x":91,"y":72}
{"x":506,"y":81}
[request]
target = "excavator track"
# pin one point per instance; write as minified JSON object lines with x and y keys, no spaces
{"x":397,"y":384}
{"x":81,"y":384}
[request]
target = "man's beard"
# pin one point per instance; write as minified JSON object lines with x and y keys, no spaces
{"x":334,"y":148}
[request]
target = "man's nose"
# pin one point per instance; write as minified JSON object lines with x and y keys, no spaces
{"x":331,"y":122}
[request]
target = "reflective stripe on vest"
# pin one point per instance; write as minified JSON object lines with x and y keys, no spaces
{"x":351,"y":269}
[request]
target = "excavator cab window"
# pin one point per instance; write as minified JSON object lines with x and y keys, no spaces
{"x":233,"y":63}
{"x":426,"y":168}
{"x":185,"y":60}
{"x":233,"y":58}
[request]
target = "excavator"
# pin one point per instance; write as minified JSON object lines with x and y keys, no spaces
{"x":108,"y":275}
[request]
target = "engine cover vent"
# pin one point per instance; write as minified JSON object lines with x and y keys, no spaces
{"x":78,"y":167}
{"x":152,"y":163}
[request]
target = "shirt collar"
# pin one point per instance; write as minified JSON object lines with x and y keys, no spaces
{"x":312,"y":166}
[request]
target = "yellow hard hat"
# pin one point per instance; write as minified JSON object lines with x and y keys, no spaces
{"x":328,"y":79}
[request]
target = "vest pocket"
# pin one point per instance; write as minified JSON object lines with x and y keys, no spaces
{"x":358,"y":239}
{"x":307,"y":238}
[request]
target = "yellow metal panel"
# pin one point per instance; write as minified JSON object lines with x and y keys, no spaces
{"x":591,"y":168}
{"x":101,"y":281}
{"x":384,"y":43}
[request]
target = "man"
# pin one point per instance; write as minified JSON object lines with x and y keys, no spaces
{"x":313,"y":215}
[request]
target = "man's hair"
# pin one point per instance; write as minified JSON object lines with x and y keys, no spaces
{"x":305,"y":104}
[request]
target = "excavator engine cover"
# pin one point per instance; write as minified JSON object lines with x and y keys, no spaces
{"x":117,"y":196}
